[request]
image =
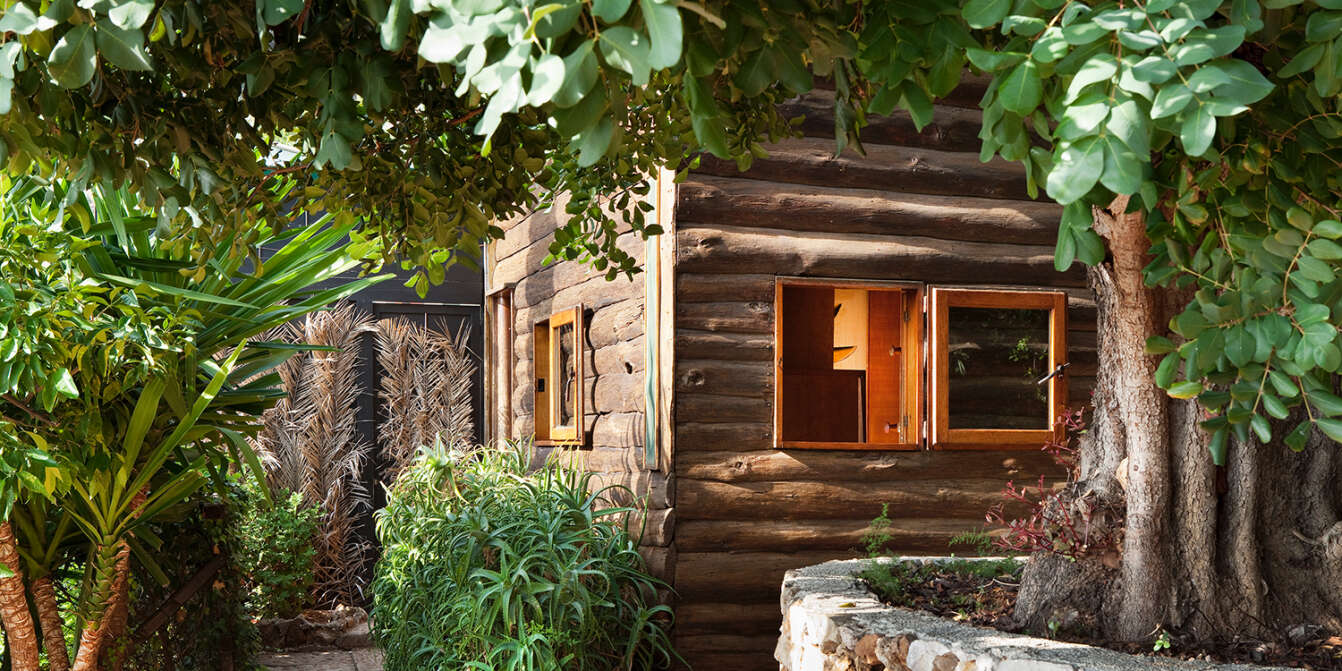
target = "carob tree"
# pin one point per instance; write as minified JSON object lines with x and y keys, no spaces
{"x":1192,"y":143}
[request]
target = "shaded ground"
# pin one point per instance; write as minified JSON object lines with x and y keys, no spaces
{"x":367,"y":659}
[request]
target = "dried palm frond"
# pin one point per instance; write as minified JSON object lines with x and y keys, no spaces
{"x":425,"y":390}
{"x":311,"y":444}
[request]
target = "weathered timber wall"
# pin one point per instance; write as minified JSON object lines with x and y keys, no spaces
{"x":919,"y":207}
{"x":613,"y":361}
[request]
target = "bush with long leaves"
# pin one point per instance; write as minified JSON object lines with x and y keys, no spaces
{"x":488,"y":566}
{"x":159,"y":379}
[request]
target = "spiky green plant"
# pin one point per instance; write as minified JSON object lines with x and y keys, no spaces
{"x":487,"y":565}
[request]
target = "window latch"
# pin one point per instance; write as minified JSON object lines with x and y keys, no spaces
{"x":1056,"y":372}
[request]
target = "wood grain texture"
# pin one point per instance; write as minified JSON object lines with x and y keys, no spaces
{"x":860,"y":466}
{"x":949,"y":496}
{"x":734,"y":249}
{"x":712,"y":200}
{"x":951,"y":129}
{"x":885,"y":167}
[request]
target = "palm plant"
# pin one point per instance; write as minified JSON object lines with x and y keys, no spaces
{"x":169,"y":373}
{"x":425,"y":390}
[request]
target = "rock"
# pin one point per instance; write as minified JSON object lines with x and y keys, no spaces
{"x":1301,"y":634}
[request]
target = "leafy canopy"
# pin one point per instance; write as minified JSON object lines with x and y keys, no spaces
{"x":428,"y":119}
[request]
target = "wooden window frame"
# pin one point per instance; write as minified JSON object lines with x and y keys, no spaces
{"x":499,"y":364}
{"x":547,"y":432}
{"x":942,"y":299}
{"x":913,"y":365}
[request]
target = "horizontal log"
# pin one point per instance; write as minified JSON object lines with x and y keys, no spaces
{"x":605,"y":457}
{"x":907,"y":536}
{"x":738,"y":466}
{"x":761,"y":644}
{"x":693,"y":435}
{"x":730,"y":659}
{"x":622,"y":430}
{"x":648,"y":489}
{"x":716,"y":287}
{"x":706,"y":616}
{"x":753,"y":203}
{"x":661,"y":561}
{"x":622,"y":357}
{"x":727,"y":316}
{"x":561,"y":285}
{"x":711,"y":408}
{"x":885,"y":168}
{"x":618,"y":392}
{"x":694,"y":344}
{"x":619,"y":322}
{"x":731,"y":249}
{"x":849,"y":499}
{"x":951,"y":128}
{"x":744,"y":576}
{"x":751,"y":379}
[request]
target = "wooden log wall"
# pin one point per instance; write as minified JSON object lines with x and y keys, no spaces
{"x":613,"y":360}
{"x":920,"y":207}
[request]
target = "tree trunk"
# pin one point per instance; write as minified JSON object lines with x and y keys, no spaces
{"x":49,"y":615}
{"x":110,"y":622}
{"x":14,"y":614}
{"x":1250,"y":550}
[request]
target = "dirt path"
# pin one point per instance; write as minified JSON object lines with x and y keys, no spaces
{"x":366,"y":659}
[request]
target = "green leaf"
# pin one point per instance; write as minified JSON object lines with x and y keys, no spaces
{"x":1170,"y":100}
{"x":1050,"y":46}
{"x":1244,"y":84}
{"x":594,"y":142}
{"x":19,"y":18}
{"x":1283,"y":384}
{"x":1330,"y":427}
{"x":1328,"y":228}
{"x":334,"y":151}
{"x":610,"y":11}
{"x":64,"y":383}
{"x":1275,"y":407}
{"x":1198,"y":131}
{"x":74,"y":57}
{"x":1100,"y":68}
{"x":1239,"y":346}
{"x":275,"y":12}
{"x":1315,"y":269}
{"x":393,"y":27}
{"x":1217,"y":446}
{"x":580,"y":73}
{"x":131,"y":14}
{"x":443,"y":40}
{"x":984,"y":13}
{"x":1022,"y":90}
{"x":1065,"y":251}
{"x":1159,"y":345}
{"x":1122,"y":167}
{"x":1325,"y":402}
{"x":1323,"y":26}
{"x":627,"y":49}
{"x":547,"y":77}
{"x":1261,"y":428}
{"x":123,"y":48}
{"x":1154,"y":69}
{"x":1303,"y":62}
{"x":757,"y":72}
{"x":1128,"y":123}
{"x":664,"y":27}
{"x":1185,"y":390}
{"x":1076,"y":171}
{"x":1325,"y":249}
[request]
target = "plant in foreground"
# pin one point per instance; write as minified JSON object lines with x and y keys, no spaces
{"x":488,"y":566}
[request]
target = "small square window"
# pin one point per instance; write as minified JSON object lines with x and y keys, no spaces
{"x":997,"y":367}
{"x":559,"y":378}
{"x":849,"y":363}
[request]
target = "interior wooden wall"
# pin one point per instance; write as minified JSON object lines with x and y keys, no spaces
{"x":920,"y":206}
{"x":613,"y":359}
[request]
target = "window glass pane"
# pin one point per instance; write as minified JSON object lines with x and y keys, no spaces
{"x":996,"y":357}
{"x":567,"y":387}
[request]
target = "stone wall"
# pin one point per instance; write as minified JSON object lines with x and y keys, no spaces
{"x":832,"y":622}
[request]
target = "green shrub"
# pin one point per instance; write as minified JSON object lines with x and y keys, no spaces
{"x":487,"y":566}
{"x":277,"y":551}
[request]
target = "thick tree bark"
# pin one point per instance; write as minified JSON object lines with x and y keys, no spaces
{"x":49,"y":615}
{"x":14,"y":614}
{"x":1251,"y":550}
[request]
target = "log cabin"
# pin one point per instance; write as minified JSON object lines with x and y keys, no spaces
{"x":811,"y":340}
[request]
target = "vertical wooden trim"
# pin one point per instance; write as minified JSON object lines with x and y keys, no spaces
{"x":1057,"y":351}
{"x":940,"y":374}
{"x":540,"y":379}
{"x":498,"y":365}
{"x":659,"y":329}
{"x":778,"y":363}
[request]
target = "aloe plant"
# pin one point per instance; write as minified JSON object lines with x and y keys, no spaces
{"x":166,"y":374}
